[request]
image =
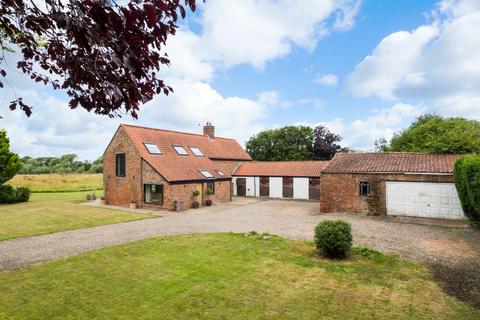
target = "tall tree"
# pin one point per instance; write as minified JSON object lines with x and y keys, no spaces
{"x":325,"y":144}
{"x":283,"y":144}
{"x":9,"y":161}
{"x":105,"y":55}
{"x":436,"y":134}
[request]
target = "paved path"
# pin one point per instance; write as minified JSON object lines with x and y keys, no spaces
{"x":290,"y":219}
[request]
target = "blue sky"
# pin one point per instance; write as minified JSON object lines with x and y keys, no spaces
{"x":365,"y":69}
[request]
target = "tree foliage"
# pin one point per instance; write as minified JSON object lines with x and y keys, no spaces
{"x":9,"y":161}
{"x":435,"y":134}
{"x":67,"y":163}
{"x":105,"y":55}
{"x":283,"y":144}
{"x":325,"y":144}
{"x":294,"y":143}
{"x":467,"y":180}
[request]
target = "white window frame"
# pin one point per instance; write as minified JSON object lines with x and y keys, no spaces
{"x":175,"y":146}
{"x":149,"y":144}
{"x":199,"y":154}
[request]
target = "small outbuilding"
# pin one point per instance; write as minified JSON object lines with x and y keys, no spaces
{"x":397,"y":183}
{"x":285,"y":179}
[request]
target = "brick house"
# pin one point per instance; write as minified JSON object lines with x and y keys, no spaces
{"x":279,"y":179}
{"x":401,"y":184}
{"x":155,"y":168}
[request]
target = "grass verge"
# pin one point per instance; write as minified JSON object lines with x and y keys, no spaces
{"x":226,"y":276}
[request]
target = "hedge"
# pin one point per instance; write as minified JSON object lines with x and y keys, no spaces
{"x":466,"y":175}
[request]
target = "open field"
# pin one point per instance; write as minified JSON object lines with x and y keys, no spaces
{"x":53,"y":212}
{"x":59,"y":182}
{"x":225,"y":276}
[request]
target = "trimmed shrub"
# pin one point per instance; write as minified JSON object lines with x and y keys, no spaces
{"x":9,"y":194}
{"x":23,"y":194}
{"x":333,"y":238}
{"x":466,"y":175}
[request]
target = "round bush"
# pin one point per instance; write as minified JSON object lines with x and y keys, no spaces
{"x":9,"y":194}
{"x":333,"y":238}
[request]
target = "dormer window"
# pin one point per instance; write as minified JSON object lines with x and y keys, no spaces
{"x":196,"y":151}
{"x":152,"y":148}
{"x":220,"y":173}
{"x":180,"y":150}
{"x":206,"y":174}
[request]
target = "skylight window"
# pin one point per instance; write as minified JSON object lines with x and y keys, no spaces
{"x":220,"y":173}
{"x":152,"y":148}
{"x":206,"y":174}
{"x":196,"y":151}
{"x":180,"y":150}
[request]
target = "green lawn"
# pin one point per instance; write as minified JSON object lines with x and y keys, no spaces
{"x":225,"y":276}
{"x":58,"y":182}
{"x":53,"y":212}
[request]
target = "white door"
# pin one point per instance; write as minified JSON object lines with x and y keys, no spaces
{"x":300,"y":188}
{"x":276,"y":187}
{"x":423,"y":199}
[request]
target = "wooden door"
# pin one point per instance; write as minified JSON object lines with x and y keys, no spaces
{"x":287,"y":187}
{"x":241,"y":187}
{"x":264,"y":186}
{"x":198,"y":186}
{"x":314,"y":189}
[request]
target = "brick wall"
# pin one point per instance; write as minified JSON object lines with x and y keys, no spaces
{"x":182,"y":191}
{"x":121,"y":190}
{"x":222,"y":191}
{"x":227,"y":166}
{"x":340,"y":192}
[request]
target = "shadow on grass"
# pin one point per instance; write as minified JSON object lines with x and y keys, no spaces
{"x":461,"y":280}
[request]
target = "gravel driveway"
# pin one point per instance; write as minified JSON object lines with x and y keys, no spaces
{"x":292,"y":219}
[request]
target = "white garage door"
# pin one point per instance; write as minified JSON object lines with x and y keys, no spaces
{"x":300,"y":188}
{"x":423,"y":199}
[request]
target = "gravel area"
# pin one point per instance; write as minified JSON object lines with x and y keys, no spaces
{"x":292,"y":219}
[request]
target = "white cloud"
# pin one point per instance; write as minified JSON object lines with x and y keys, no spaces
{"x":241,"y":32}
{"x":437,"y":63}
{"x":360,"y":134}
{"x":316,"y":103}
{"x":327,"y":80}
{"x":254,"y":32}
{"x":272,"y":99}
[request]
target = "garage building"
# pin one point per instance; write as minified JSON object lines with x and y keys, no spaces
{"x":285,"y":179}
{"x":407,"y":184}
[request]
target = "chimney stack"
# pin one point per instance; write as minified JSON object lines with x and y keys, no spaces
{"x":209,"y":130}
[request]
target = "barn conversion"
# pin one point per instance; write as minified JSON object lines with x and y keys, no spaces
{"x":161,"y":169}
{"x":405,"y":184}
{"x":286,"y":179}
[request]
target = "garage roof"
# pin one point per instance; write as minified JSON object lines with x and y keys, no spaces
{"x":281,"y":168}
{"x":392,"y":162}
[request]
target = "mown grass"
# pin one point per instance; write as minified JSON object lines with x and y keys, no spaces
{"x":53,"y":212}
{"x":225,"y":276}
{"x":58,"y":182}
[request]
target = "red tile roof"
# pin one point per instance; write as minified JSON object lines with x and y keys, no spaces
{"x":391,"y":162}
{"x":174,"y":167}
{"x":281,"y":168}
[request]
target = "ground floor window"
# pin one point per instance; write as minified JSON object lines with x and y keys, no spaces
{"x":211,"y":186}
{"x":153,"y":193}
{"x":364,"y":189}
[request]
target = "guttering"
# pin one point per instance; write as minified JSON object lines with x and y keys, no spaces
{"x":429,"y":173}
